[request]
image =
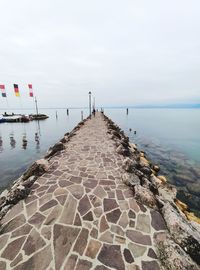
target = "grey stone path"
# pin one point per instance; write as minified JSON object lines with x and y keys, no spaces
{"x":80,"y":215}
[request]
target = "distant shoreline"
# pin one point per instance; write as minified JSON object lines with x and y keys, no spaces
{"x":170,"y":106}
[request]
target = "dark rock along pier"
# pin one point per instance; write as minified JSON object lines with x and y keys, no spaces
{"x":93,"y":203}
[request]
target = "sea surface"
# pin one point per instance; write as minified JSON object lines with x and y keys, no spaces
{"x":170,"y":138}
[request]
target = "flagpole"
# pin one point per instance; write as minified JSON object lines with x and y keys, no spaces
{"x":36,"y":106}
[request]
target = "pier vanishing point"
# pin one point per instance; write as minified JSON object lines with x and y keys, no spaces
{"x":86,"y":205}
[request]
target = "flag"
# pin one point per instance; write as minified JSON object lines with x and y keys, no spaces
{"x":30,"y":90}
{"x":16,"y":90}
{"x":3,"y":91}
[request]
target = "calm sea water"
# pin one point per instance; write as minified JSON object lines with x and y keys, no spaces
{"x":15,"y":158}
{"x":170,"y":137}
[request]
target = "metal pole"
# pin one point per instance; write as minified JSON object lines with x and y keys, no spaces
{"x":90,"y":110}
{"x":36,"y":106}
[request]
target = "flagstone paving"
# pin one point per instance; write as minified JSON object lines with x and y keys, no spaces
{"x":80,"y":215}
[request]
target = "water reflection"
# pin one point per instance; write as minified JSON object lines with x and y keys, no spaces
{"x":24,"y":142}
{"x":12,"y":141}
{"x":1,"y":144}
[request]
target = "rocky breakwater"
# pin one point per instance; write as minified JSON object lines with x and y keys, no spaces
{"x":179,"y":247}
{"x":22,"y":186}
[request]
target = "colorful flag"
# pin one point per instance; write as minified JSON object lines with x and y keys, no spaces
{"x":16,"y":90}
{"x":30,"y":90}
{"x":3,"y":91}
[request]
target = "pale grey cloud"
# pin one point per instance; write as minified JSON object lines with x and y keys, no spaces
{"x":126,"y":52}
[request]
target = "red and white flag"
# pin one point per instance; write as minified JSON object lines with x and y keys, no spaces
{"x":3,"y":90}
{"x":30,"y":90}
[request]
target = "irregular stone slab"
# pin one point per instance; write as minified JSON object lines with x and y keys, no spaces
{"x":137,"y":250}
{"x":119,"y":194}
{"x":107,"y":237}
{"x":77,"y":191}
{"x":76,"y":179}
{"x":90,"y":183}
{"x":101,"y":267}
{"x":133,"y":205}
{"x":60,"y":191}
{"x":113,"y":216}
{"x":138,"y":237}
{"x":106,"y":182}
{"x":71,"y":262}
{"x":13,"y":248}
{"x":37,"y":220}
{"x":96,"y":202}
{"x":123,"y":222}
{"x":54,"y":215}
{"x":157,"y":221}
{"x":16,"y":260}
{"x":88,"y":216}
{"x":13,"y":224}
{"x":69,"y":210}
{"x":120,"y":239}
{"x":150,"y":265}
{"x":61,"y":199}
{"x":33,"y":243}
{"x":100,"y":192}
{"x":63,"y":239}
{"x":84,"y":205}
{"x":117,"y":230}
{"x":83,"y":265}
{"x":103,"y":224}
{"x":77,"y":221}
{"x":23,"y":230}
{"x":98,"y":212}
{"x":3,"y":266}
{"x":44,"y":199}
{"x":152,"y":254}
{"x":48,"y":205}
{"x":131,"y":214}
{"x":109,"y":204}
{"x":123,"y":205}
{"x":94,"y":233}
{"x":111,"y":251}
{"x":31,"y":208}
{"x":128,"y":257}
{"x":81,"y":242}
{"x":37,"y":260}
{"x":93,"y":248}
{"x":3,"y":240}
{"x":46,"y":232}
{"x":15,"y":210}
{"x":143,"y":223}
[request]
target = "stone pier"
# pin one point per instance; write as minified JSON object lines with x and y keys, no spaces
{"x":80,"y":215}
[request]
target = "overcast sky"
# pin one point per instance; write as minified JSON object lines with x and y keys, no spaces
{"x":126,"y":52}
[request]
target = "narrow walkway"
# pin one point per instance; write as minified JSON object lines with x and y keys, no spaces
{"x":80,"y":215}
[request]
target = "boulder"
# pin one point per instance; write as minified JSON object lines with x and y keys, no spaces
{"x":29,"y":182}
{"x":129,"y":165}
{"x":56,"y":148}
{"x":122,"y":150}
{"x":172,"y":256}
{"x":37,"y":169}
{"x":130,"y":179}
{"x":146,"y":170}
{"x":145,"y":196}
{"x":182,"y":231}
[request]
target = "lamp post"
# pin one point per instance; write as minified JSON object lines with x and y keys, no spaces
{"x":90,"y":110}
